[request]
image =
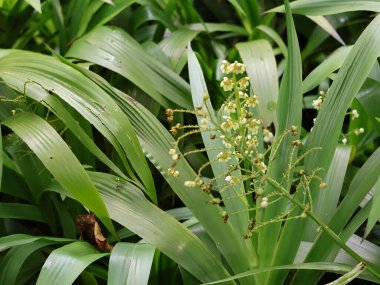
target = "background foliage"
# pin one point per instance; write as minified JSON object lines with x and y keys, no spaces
{"x":84,"y":88}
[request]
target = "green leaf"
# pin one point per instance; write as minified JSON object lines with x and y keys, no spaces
{"x":36,"y":4}
{"x":57,"y":157}
{"x":21,"y":211}
{"x":289,"y":114}
{"x":275,"y":37}
{"x":174,"y":46}
{"x":22,"y":239}
{"x":85,"y":97}
{"x":328,"y":66}
{"x":374,"y":215}
{"x":362,"y":183}
{"x":329,"y":7}
{"x":326,"y":25}
{"x":116,"y":50}
{"x":329,"y":198}
{"x":348,"y":82}
{"x":260,"y":63}
{"x":239,"y":203}
{"x":108,"y":12}
{"x":14,"y":259}
{"x":130,"y":263}
{"x":131,"y":209}
{"x":65,"y":264}
{"x":323,"y":266}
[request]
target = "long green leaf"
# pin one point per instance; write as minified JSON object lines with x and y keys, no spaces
{"x":21,"y":211}
{"x":130,"y":208}
{"x":359,"y":187}
{"x":22,"y":239}
{"x":326,"y":25}
{"x":328,"y":66}
{"x":65,"y":264}
{"x":325,"y":135}
{"x":108,"y":12}
{"x":374,"y":215}
{"x":289,"y":109}
{"x":116,"y":50}
{"x":57,"y":157}
{"x":260,"y":63}
{"x":349,"y":80}
{"x":239,"y":203}
{"x":328,"y":7}
{"x":130,"y":264}
{"x":324,"y":266}
{"x":85,"y":97}
{"x":15,"y":258}
{"x":329,"y":198}
{"x":174,"y":46}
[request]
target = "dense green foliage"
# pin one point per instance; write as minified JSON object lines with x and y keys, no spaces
{"x":199,"y":169}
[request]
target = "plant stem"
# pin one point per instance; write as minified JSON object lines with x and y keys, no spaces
{"x":325,"y":227}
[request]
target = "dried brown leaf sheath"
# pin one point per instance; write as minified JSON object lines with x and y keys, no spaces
{"x":90,"y":231}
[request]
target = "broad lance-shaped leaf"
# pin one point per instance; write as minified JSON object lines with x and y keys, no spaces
{"x":57,"y":157}
{"x":130,"y":263}
{"x":260,"y":63}
{"x":27,"y":71}
{"x":66,"y":263}
{"x":289,"y":110}
{"x":116,"y":50}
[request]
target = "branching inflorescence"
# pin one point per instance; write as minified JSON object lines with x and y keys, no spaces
{"x":246,"y":150}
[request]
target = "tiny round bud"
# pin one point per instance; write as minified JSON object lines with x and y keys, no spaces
{"x":302,"y":172}
{"x":296,"y":143}
{"x":322,"y":185}
{"x":212,"y":136}
{"x":264,"y":202}
{"x":251,"y":224}
{"x":293,"y":130}
{"x":344,"y":141}
{"x":259,"y":191}
{"x":224,"y":214}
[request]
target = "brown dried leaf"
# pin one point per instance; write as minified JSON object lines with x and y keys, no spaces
{"x":90,"y":231}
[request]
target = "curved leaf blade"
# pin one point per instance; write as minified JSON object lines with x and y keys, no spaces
{"x":57,"y":157}
{"x":130,"y":208}
{"x":116,"y":50}
{"x":66,"y":263}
